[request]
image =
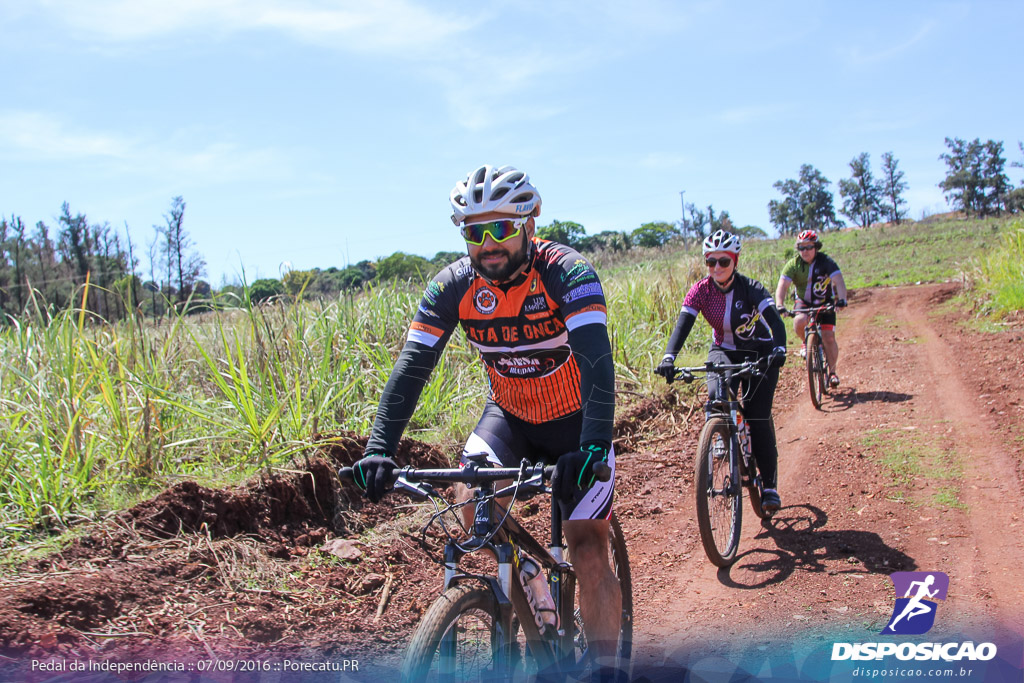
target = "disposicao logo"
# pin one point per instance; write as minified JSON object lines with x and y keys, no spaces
{"x":914,"y":613}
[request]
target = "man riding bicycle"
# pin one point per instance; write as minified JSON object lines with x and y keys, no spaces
{"x":745,"y":324}
{"x":815,"y":276}
{"x":535,"y":312}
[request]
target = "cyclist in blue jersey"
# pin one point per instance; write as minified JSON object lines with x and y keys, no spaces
{"x":746,"y":326}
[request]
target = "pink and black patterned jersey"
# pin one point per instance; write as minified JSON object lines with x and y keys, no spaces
{"x":736,"y":316}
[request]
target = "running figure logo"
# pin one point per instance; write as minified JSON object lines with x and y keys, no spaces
{"x":914,"y":613}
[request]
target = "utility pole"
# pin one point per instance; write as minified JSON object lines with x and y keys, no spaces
{"x":682,"y":198}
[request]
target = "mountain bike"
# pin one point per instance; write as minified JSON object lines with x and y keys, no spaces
{"x":725,"y":462}
{"x":484,"y":626}
{"x":818,"y":370}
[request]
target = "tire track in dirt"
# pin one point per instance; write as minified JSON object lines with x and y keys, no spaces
{"x":991,"y":490}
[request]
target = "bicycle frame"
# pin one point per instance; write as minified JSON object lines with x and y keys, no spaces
{"x":495,"y":529}
{"x":723,"y":425}
{"x":731,"y":409}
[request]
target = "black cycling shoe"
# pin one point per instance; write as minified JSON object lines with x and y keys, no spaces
{"x":770,"y":501}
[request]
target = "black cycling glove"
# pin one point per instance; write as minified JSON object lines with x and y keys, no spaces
{"x":777,"y":358}
{"x":574,"y":472}
{"x":372,"y":474}
{"x":666,"y":368}
{"x":841,"y":303}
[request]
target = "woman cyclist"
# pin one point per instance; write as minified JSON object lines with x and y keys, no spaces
{"x":746,"y":326}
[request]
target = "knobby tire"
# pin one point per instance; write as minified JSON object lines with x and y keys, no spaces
{"x":815,"y":371}
{"x":719,"y":517}
{"x":469,"y":612}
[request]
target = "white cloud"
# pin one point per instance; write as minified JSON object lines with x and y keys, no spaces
{"x":366,"y":26}
{"x":860,"y":55}
{"x":34,"y":136}
{"x":751,"y":113}
{"x":661,"y":160}
{"x":42,"y":136}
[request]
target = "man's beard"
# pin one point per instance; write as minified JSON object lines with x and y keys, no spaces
{"x":501,"y":272}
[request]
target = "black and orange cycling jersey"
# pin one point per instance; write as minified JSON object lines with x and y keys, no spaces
{"x":524,"y":333}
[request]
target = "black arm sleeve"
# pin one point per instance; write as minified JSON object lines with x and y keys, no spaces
{"x":593,"y":353}
{"x":398,"y":402}
{"x":683,"y":326}
{"x":774,"y":320}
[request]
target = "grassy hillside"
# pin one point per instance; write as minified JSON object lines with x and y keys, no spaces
{"x":94,"y":417}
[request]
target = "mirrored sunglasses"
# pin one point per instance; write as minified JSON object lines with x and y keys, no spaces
{"x":805,"y":248}
{"x":722,"y":261}
{"x":505,"y":229}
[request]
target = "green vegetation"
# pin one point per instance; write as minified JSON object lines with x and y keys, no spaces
{"x":911,"y":456}
{"x":96,"y":416}
{"x":998,"y":274}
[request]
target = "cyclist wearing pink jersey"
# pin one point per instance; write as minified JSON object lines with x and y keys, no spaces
{"x":746,"y":326}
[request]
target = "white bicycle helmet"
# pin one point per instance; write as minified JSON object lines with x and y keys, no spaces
{"x":722,"y":241}
{"x":502,"y":190}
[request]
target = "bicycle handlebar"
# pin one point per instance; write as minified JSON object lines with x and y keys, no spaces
{"x":827,"y":308}
{"x":473,"y":474}
{"x":749,"y":367}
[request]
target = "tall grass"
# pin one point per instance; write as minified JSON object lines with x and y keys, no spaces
{"x":999,"y":273}
{"x":94,"y":416}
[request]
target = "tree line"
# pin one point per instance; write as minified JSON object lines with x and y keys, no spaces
{"x":976,"y":183}
{"x":93,"y":268}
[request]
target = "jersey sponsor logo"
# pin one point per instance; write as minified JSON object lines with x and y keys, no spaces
{"x":533,"y":285}
{"x":535,"y":304}
{"x":428,"y":312}
{"x":745,"y":330}
{"x":739,"y":305}
{"x":485,"y":301}
{"x":524,"y":367}
{"x":464,"y":271}
{"x":578,"y":269}
{"x":821,"y":287}
{"x":589,"y":289}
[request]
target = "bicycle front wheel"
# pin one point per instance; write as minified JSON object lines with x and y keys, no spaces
{"x":460,"y":638}
{"x":719,"y":501}
{"x":815,"y":369}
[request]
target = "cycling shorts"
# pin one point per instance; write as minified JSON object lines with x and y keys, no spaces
{"x":507,"y":440}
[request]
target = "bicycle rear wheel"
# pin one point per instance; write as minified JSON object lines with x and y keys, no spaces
{"x":719,"y":499}
{"x":460,"y":638}
{"x":815,"y":369}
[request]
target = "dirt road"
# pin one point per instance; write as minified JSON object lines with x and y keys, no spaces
{"x":915,"y":463}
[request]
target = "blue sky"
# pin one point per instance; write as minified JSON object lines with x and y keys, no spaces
{"x":318,"y":133}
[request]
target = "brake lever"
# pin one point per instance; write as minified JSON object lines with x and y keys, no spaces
{"x":422,"y":490}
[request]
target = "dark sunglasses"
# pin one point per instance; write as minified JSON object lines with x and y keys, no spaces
{"x":723,"y":261}
{"x":505,"y":229}
{"x":805,"y":248}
